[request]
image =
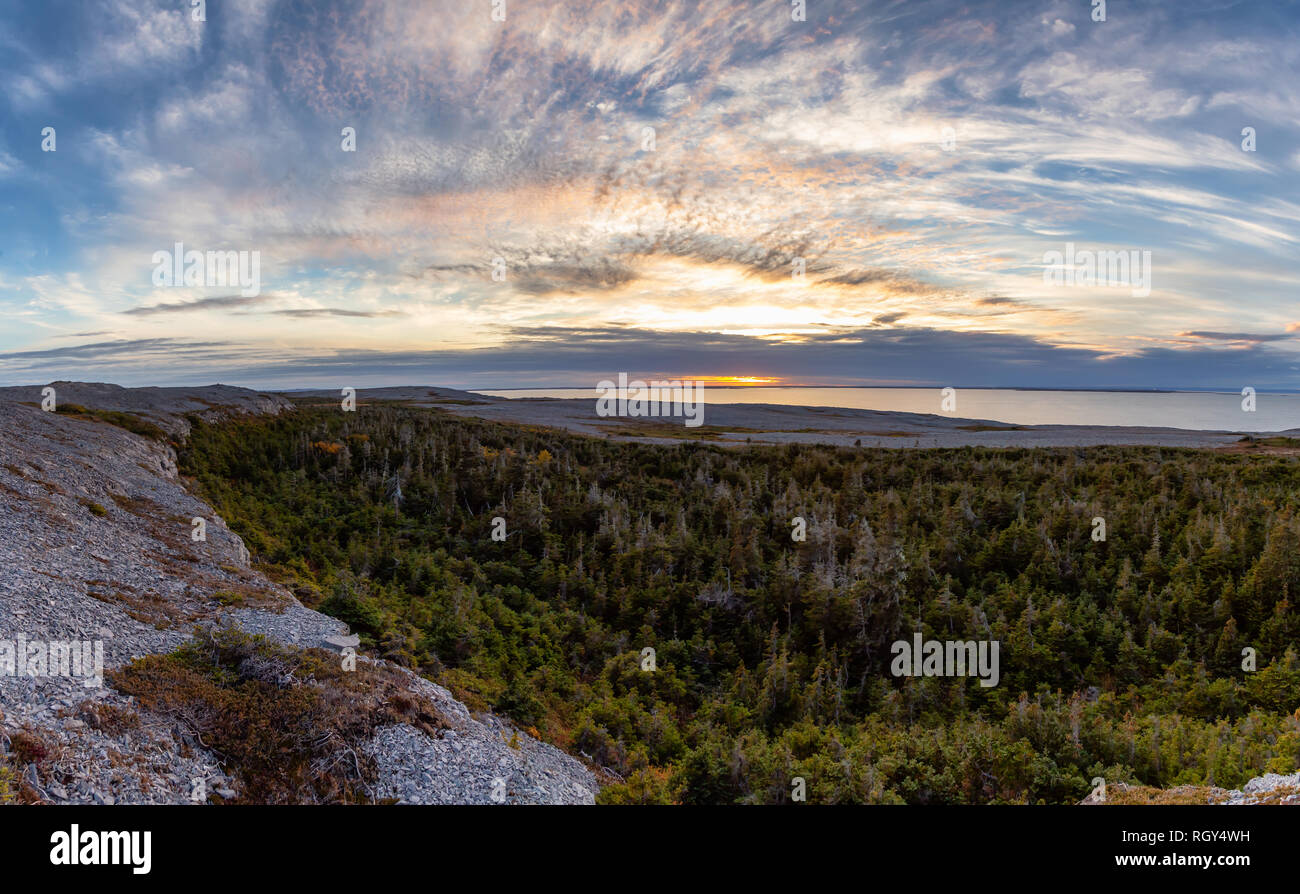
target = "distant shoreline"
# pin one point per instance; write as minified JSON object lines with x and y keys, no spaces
{"x":726,"y":424}
{"x":480,"y":390}
{"x":738,"y":424}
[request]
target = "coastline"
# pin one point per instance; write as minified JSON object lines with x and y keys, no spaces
{"x":755,"y":423}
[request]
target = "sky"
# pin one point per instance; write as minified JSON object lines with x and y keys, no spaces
{"x":550,"y":192}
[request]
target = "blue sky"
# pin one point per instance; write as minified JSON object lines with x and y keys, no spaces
{"x":920,"y":159}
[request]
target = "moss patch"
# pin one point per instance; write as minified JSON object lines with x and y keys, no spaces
{"x":136,"y":425}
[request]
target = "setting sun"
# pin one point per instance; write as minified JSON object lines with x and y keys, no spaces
{"x":736,"y":380}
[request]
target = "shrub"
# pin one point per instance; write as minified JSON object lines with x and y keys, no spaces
{"x":288,"y":724}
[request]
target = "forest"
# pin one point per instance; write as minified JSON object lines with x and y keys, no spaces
{"x":1163,"y":655}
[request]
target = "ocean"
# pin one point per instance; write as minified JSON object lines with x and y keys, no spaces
{"x":1197,"y":410}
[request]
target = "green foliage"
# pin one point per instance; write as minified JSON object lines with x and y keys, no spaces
{"x":1119,"y":658}
{"x":8,"y":785}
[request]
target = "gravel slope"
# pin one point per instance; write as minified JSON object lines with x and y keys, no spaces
{"x":95,"y":544}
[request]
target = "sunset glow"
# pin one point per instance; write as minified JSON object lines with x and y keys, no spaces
{"x":865,"y":195}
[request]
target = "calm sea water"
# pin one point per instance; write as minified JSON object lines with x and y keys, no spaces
{"x":1176,"y":409}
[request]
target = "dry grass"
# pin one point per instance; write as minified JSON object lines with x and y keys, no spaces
{"x":1145,"y":794}
{"x":136,"y":424}
{"x":108,"y":718}
{"x":131,"y":422}
{"x":148,"y":608}
{"x":1252,"y":446}
{"x":635,"y":429}
{"x":26,"y":747}
{"x":288,"y":724}
{"x":991,"y":428}
{"x":1193,"y":794}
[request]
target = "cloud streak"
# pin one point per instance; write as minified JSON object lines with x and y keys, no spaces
{"x":665,"y":168}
